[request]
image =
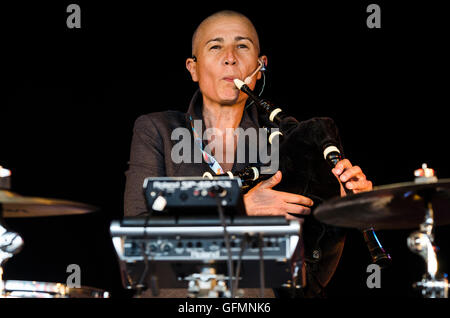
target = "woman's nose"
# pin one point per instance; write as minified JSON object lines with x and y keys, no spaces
{"x":230,"y":61}
{"x":230,"y":58}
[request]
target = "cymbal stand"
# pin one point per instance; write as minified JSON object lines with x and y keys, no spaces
{"x":422,"y":243}
{"x":4,"y":256}
{"x":4,"y":183}
{"x":10,"y":243}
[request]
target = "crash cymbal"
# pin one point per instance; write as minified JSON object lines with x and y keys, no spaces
{"x":17,"y":206}
{"x":395,"y":206}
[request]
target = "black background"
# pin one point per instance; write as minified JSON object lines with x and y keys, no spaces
{"x":71,"y":96}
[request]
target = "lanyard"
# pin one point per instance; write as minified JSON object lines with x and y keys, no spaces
{"x":209,"y":159}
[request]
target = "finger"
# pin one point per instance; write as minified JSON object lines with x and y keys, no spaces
{"x":296,"y":198}
{"x":265,"y":211}
{"x":297,"y":209}
{"x":272,"y":181}
{"x":356,"y":182}
{"x":361,"y":185}
{"x":368,"y":186}
{"x":356,"y":185}
{"x":351,"y":185}
{"x":341,"y":166}
{"x":353,"y":172}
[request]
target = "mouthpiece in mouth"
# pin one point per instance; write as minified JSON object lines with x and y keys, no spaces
{"x":238,"y":83}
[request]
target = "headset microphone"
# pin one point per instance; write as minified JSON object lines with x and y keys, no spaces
{"x":261,"y":67}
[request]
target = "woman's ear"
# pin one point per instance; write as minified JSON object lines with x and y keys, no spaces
{"x":264,"y":60}
{"x":191,"y":65}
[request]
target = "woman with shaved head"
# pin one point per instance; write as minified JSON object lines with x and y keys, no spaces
{"x":225,"y":46}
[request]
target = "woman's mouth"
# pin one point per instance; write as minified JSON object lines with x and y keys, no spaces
{"x":229,"y":79}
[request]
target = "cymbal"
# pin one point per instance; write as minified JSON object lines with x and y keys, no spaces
{"x":17,"y":206}
{"x":389,"y":207}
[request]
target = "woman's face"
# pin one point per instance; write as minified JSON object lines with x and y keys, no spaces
{"x":226,"y":48}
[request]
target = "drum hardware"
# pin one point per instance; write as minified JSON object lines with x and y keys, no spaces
{"x":13,"y":205}
{"x":33,"y":289}
{"x":5,"y":180}
{"x":4,"y":173}
{"x":208,"y":284}
{"x":422,"y":241}
{"x":421,"y":204}
{"x":10,"y":243}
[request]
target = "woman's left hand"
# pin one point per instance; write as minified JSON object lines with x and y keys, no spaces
{"x":351,"y":177}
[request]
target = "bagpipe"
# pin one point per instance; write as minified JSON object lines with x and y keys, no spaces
{"x":308,"y":150}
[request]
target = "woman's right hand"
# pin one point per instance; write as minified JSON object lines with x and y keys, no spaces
{"x":262,"y":200}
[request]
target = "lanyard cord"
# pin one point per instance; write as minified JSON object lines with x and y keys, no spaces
{"x":209,"y":159}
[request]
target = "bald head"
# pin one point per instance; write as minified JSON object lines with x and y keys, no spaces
{"x":226,"y":46}
{"x":206,"y":23}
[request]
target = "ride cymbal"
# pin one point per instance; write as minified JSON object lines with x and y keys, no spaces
{"x":389,"y":207}
{"x":17,"y":206}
